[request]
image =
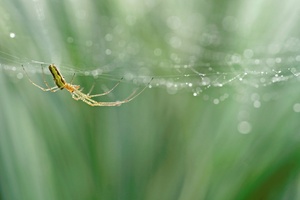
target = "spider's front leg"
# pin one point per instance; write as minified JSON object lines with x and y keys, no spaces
{"x":52,"y":89}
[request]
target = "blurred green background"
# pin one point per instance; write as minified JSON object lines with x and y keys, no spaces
{"x":220,"y":120}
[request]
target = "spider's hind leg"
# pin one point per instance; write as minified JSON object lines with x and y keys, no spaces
{"x":135,"y":93}
{"x":104,"y":93}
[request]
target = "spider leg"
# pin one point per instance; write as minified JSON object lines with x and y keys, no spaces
{"x":132,"y":96}
{"x":92,"y":102}
{"x":53,"y":89}
{"x":91,"y":90}
{"x":72,"y":78}
{"x":102,"y":103}
{"x":78,"y":95}
{"x":105,"y":93}
{"x":89,"y":101}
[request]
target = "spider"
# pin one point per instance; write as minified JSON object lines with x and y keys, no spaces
{"x":77,"y":93}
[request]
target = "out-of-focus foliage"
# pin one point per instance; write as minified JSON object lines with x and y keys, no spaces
{"x":219,"y":121}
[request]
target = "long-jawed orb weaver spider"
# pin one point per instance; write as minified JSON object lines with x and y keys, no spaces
{"x":77,"y":93}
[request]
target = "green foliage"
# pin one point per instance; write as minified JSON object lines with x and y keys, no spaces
{"x":229,"y":142}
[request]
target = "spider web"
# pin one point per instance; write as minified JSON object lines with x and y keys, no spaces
{"x":235,"y":70}
{"x":190,"y":55}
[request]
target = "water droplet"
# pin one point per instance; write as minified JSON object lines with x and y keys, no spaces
{"x":244,"y":127}
{"x":255,"y":97}
{"x":157,"y":52}
{"x":19,"y":76}
{"x":296,"y":107}
{"x":70,"y":40}
{"x":235,"y":58}
{"x":108,"y":52}
{"x":172,"y":90}
{"x":216,"y":101}
{"x":270,"y":62}
{"x":205,"y":81}
{"x":174,"y":22}
{"x":108,"y":37}
{"x":248,"y":53}
{"x":256,"y":104}
{"x":224,"y":96}
{"x":88,"y":43}
{"x":205,"y":97}
{"x":12,"y":35}
{"x":278,"y":60}
{"x":175,"y":42}
{"x":242,"y":115}
{"x":95,"y":73}
{"x":256,"y":61}
{"x":128,"y":76}
{"x":130,"y":20}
